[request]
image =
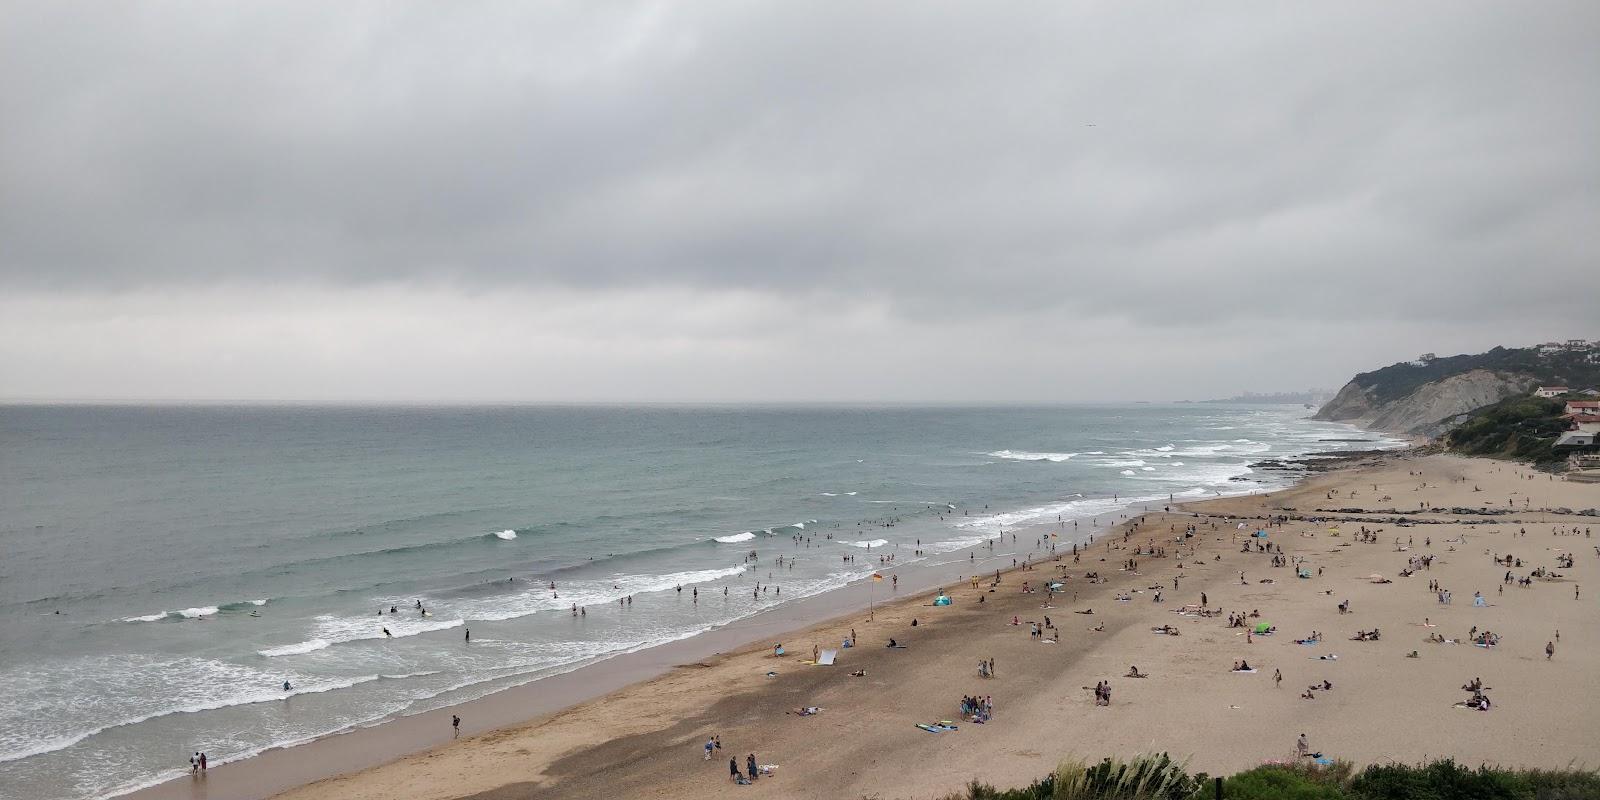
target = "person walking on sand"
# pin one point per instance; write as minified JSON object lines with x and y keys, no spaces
{"x":194,"y":763}
{"x":1277,"y":678}
{"x":455,"y":724}
{"x":1302,"y":748}
{"x":1549,"y":650}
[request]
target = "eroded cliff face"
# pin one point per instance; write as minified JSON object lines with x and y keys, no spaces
{"x":1351,"y":403}
{"x":1425,"y":409}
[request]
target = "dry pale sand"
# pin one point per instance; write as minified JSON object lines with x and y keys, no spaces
{"x":645,"y":741}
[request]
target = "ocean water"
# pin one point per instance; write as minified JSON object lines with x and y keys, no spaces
{"x":163,"y":571}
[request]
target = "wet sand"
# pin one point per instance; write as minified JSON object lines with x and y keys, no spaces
{"x":645,"y":740}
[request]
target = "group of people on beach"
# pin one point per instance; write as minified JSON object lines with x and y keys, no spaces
{"x":753,"y":773}
{"x":1102,"y":693}
{"x":977,"y":709}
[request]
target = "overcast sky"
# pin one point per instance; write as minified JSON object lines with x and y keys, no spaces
{"x":553,"y":201}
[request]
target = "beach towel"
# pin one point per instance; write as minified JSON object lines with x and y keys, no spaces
{"x":1244,"y":671}
{"x":827,"y":658}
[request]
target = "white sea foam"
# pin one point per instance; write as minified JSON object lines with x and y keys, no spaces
{"x":184,"y":613}
{"x":1127,"y":472}
{"x":869,"y":543}
{"x":260,"y":602}
{"x":1148,"y":469}
{"x":588,"y":592}
{"x":1164,"y":448}
{"x":1024,"y":455}
{"x":131,"y":689}
{"x":295,"y":649}
{"x":507,"y":535}
{"x":829,"y":494}
{"x":336,"y":630}
{"x":737,"y":537}
{"x":1084,"y":508}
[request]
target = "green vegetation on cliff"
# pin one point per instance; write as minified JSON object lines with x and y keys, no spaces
{"x":1395,"y":381}
{"x":1521,"y":428}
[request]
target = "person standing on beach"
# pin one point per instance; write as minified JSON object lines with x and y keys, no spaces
{"x":733,"y":770}
{"x":1549,"y":650}
{"x":455,"y":724}
{"x":194,"y":763}
{"x":710,"y":745}
{"x":1277,"y":678}
{"x":750,"y":766}
{"x":203,"y":761}
{"x":1302,"y":748}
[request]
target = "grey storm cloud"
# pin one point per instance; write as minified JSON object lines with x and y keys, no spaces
{"x":1169,"y":163}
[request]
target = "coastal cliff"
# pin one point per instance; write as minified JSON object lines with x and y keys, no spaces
{"x":1426,"y":397}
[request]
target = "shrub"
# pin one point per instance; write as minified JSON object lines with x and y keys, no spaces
{"x":1439,"y":780}
{"x":1287,"y":782}
{"x":1147,"y":777}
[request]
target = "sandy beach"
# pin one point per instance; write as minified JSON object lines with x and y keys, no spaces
{"x":646,"y":740}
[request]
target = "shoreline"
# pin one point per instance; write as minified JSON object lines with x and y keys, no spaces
{"x":645,"y":740}
{"x":282,"y":769}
